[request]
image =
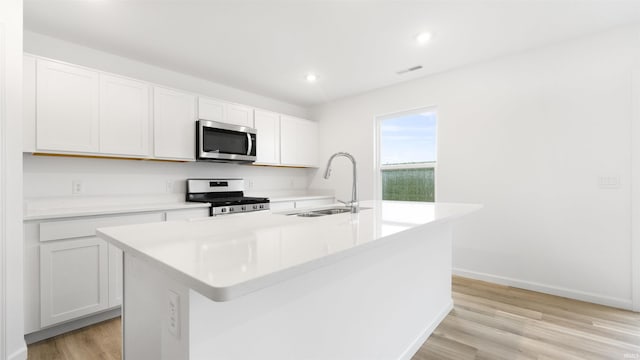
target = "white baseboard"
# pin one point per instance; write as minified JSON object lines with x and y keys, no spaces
{"x":417,"y":343}
{"x":71,"y":325}
{"x":626,"y":304}
{"x":19,"y":355}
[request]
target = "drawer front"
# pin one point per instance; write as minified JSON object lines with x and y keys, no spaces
{"x":68,"y":229}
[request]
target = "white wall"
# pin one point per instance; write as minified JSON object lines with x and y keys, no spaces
{"x":12,"y":345}
{"x":527,"y":136}
{"x":122,"y":177}
{"x":46,"y":176}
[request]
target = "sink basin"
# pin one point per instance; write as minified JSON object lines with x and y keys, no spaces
{"x":331,"y":211}
{"x":323,"y":212}
{"x":308,"y":214}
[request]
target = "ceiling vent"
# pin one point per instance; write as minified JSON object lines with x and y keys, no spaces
{"x":414,"y":68}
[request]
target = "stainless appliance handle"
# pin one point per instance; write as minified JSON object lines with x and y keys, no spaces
{"x":250,"y":144}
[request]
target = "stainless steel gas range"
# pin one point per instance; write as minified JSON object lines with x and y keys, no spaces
{"x":226,"y":196}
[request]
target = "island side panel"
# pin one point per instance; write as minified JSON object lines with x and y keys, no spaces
{"x":145,"y":314}
{"x":379,"y":304}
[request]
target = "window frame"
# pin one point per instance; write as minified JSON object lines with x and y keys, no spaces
{"x":378,"y":167}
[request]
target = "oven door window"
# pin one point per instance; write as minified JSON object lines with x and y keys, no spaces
{"x":224,"y":141}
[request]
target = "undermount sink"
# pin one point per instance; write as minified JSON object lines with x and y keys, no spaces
{"x":331,"y":211}
{"x":323,"y":212}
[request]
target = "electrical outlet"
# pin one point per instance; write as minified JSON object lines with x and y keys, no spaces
{"x":173,"y":313}
{"x":249,"y":184}
{"x":77,"y":187}
{"x":169,"y":186}
{"x":609,"y":182}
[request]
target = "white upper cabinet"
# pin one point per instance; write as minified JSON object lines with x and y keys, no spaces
{"x":124,"y":116}
{"x":174,"y":115}
{"x":67,"y":108}
{"x":218,"y":110}
{"x":298,"y":142}
{"x":211,"y":109}
{"x":29,"y":104}
{"x":268,"y":140}
{"x":239,"y":115}
{"x":70,"y":109}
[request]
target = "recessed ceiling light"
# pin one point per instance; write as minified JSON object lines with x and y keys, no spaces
{"x":423,"y":38}
{"x":311,"y":77}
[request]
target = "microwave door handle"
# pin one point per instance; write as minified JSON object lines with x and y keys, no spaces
{"x":250,"y":144}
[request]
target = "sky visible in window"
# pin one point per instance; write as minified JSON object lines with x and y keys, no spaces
{"x":408,"y":139}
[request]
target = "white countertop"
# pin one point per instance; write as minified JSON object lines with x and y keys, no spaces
{"x":229,"y":256}
{"x":64,"y":207}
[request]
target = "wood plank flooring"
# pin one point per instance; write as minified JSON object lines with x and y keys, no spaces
{"x":488,"y":322}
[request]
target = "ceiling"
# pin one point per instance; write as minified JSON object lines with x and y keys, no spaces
{"x":268,"y":46}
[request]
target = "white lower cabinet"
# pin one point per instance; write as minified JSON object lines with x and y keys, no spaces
{"x":73,"y":279}
{"x":69,"y":273}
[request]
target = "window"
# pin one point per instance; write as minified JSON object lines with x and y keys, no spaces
{"x":407,"y":156}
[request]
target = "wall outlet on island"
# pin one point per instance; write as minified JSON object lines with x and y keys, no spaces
{"x":173,"y":313}
{"x":609,"y":182}
{"x":77,"y":187}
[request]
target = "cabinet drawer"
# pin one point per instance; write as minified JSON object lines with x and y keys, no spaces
{"x":67,"y":229}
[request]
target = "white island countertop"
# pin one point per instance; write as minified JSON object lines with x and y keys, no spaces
{"x":229,"y":256}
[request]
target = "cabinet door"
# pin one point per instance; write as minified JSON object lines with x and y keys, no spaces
{"x":124,"y":116}
{"x":211,"y":109}
{"x":298,"y":142}
{"x":268,"y":138}
{"x":174,"y":124}
{"x":73,"y":279}
{"x":239,"y":115}
{"x":115,"y":276}
{"x":67,"y":108}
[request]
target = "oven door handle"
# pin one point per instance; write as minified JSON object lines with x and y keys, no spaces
{"x":250,"y":144}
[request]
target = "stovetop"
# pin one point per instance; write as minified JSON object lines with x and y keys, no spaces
{"x":226,"y":196}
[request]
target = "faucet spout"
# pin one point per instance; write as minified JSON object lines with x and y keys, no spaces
{"x":354,"y":190}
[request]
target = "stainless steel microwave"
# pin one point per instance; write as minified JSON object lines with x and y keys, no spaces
{"x":225,"y":142}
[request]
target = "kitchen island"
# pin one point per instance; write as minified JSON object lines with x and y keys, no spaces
{"x":372,"y":285}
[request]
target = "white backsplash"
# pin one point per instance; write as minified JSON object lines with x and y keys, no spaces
{"x":48,"y":176}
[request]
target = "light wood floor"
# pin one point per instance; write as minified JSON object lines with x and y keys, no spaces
{"x":488,"y":322}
